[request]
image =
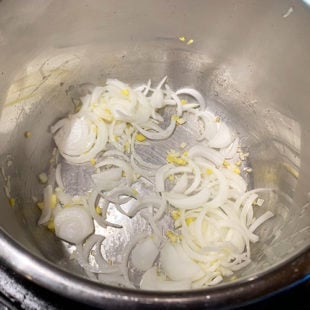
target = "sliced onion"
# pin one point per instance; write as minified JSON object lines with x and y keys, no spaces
{"x":47,"y":210}
{"x":160,"y":135}
{"x":184,"y":269}
{"x":144,"y":254}
{"x":263,"y":218}
{"x":182,"y":201}
{"x":73,"y":224}
{"x":152,"y":282}
{"x":203,"y":151}
{"x":193,"y":93}
{"x":212,"y":208}
{"x":222,"y":138}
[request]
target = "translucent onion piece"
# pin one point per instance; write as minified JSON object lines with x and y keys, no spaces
{"x":152,"y":282}
{"x":222,"y":138}
{"x":193,"y":93}
{"x":209,"y":129}
{"x":73,"y":224}
{"x":266,"y":216}
{"x":177,"y":265}
{"x":205,"y":152}
{"x":58,"y":177}
{"x":144,"y":254}
{"x":46,"y":211}
{"x":107,"y":179}
{"x":75,"y":151}
{"x":160,"y":135}
{"x":182,"y":201}
{"x":118,"y":163}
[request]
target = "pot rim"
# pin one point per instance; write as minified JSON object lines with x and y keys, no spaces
{"x":251,"y":289}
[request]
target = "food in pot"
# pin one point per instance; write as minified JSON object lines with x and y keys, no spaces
{"x":198,"y":187}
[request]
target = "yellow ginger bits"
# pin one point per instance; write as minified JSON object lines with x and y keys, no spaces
{"x":116,"y":138}
{"x":243,"y":156}
{"x":135,"y":192}
{"x":236,"y":170}
{"x":225,"y":163}
{"x":93,"y":161}
{"x":107,"y":115}
{"x":189,"y":220}
{"x":209,"y":171}
{"x":171,"y":177}
{"x":27,"y":134}
{"x":183,"y":145}
{"x":175,"y":214}
{"x":182,"y":39}
{"x":98,"y":210}
{"x":51,"y":225}
{"x":43,"y":178}
{"x":40,"y":205}
{"x":190,"y":41}
{"x":183,"y":101}
{"x":174,"y":157}
{"x":12,"y":202}
{"x":217,"y":119}
{"x":172,"y":236}
{"x":179,"y":120}
{"x":125,"y":92}
{"x":53,"y":201}
{"x":140,"y":137}
{"x":127,"y":147}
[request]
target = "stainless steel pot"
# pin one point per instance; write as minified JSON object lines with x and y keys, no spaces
{"x":249,"y":58}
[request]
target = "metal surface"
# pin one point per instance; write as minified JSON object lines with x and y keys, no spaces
{"x":249,"y":58}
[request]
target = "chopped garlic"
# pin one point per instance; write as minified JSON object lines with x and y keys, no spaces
{"x":135,"y":192}
{"x":53,"y":201}
{"x":176,"y":160}
{"x":140,"y":137}
{"x":51,"y":225}
{"x":183,"y":145}
{"x":43,"y":177}
{"x":226,"y":163}
{"x":171,"y":177}
{"x":98,"y":210}
{"x":236,"y":170}
{"x":125,"y":92}
{"x":93,"y":161}
{"x":27,"y":134}
{"x":175,"y":214}
{"x":217,"y":119}
{"x":259,"y":202}
{"x":127,"y":147}
{"x":172,"y":236}
{"x":209,"y":171}
{"x":243,"y":156}
{"x":179,"y":120}
{"x":189,"y":220}
{"x":40,"y":205}
{"x":12,"y":202}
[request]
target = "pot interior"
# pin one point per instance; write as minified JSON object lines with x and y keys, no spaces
{"x":248,"y":60}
